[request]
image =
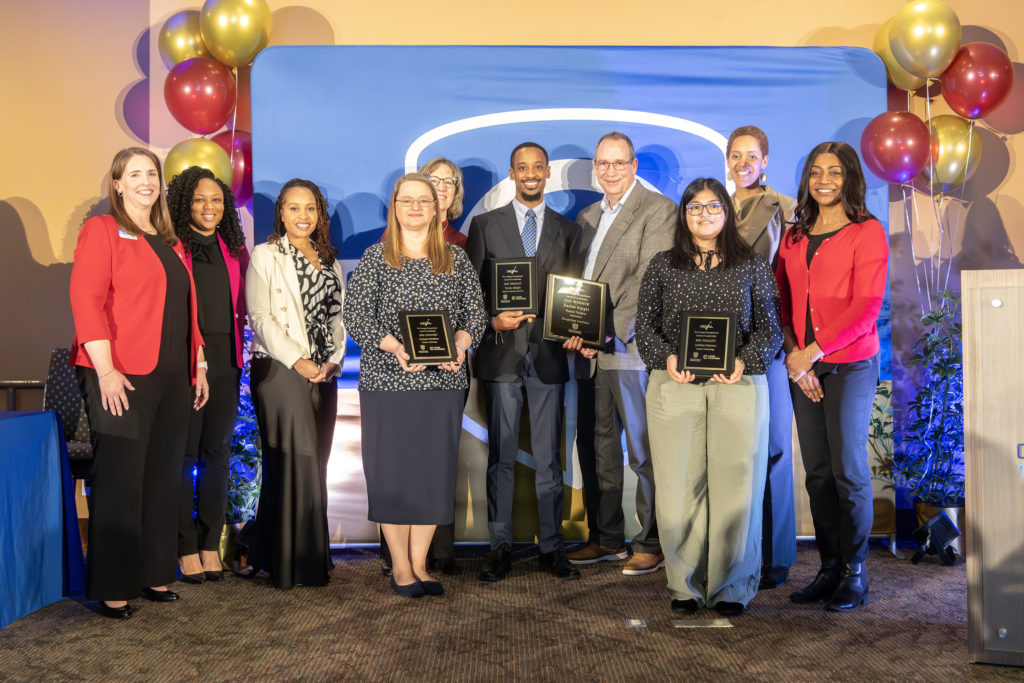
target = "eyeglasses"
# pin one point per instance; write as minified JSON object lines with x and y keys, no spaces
{"x":714,"y":208}
{"x":437,"y":181}
{"x":406,"y":202}
{"x":603,"y":165}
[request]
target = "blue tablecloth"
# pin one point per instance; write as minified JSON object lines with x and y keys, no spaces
{"x":40,"y":547}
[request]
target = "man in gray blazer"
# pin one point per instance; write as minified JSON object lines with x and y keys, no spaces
{"x":620,"y":234}
{"x":517,"y":364}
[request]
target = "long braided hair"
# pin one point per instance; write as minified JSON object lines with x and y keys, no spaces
{"x":179,"y":202}
{"x":321,"y":237}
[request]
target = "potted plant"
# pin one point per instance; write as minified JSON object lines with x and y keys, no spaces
{"x":245,"y":468}
{"x":929,"y":460}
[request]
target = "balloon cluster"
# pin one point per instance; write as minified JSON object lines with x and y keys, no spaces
{"x":203,"y":50}
{"x":919,"y":44}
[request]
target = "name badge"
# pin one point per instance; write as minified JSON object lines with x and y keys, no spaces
{"x":124,"y":234}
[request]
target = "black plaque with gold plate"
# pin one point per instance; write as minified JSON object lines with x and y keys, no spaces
{"x":575,"y":308}
{"x":707,"y":343}
{"x":428,"y":336}
{"x":514,"y":285}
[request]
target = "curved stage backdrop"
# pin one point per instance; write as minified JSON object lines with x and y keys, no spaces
{"x":354,"y":119}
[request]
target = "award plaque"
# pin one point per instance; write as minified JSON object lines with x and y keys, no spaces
{"x":428,"y":336}
{"x":575,"y":308}
{"x":707,"y":344}
{"x":514,"y":285}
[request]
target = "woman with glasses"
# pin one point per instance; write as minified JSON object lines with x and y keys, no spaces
{"x":832,"y":274}
{"x":411,"y":415}
{"x":294,"y":291}
{"x":762,"y":216}
{"x":708,"y":436}
{"x":446,"y":178}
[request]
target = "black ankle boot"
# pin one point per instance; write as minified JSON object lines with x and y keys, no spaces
{"x":852,"y":591}
{"x":822,"y":587}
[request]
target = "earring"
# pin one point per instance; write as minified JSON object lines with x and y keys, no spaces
{"x":120,"y":193}
{"x":764,"y":177}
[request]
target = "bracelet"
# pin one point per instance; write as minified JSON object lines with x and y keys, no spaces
{"x":203,"y":365}
{"x":460,"y":346}
{"x":106,"y":373}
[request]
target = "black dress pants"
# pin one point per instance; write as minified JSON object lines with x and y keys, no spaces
{"x":209,"y":452}
{"x":833,"y":443}
{"x":133,"y":505}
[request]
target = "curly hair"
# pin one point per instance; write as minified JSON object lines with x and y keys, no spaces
{"x":180,"y":191}
{"x":321,"y":237}
{"x":853,"y":191}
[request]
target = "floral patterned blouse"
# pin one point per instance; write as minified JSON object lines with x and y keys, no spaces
{"x":376,"y":293}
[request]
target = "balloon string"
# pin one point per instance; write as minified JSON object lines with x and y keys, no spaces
{"x":935,"y":255}
{"x":927,"y":289}
{"x":960,"y":215}
{"x":910,"y":231}
{"x":234,"y":125}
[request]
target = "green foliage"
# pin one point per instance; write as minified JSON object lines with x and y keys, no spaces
{"x":246,"y":462}
{"x":881,"y":434}
{"x":930,"y":458}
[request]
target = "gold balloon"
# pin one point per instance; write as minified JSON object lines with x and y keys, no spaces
{"x":956,"y":151}
{"x":198,"y":152}
{"x":900,"y":77}
{"x":924,"y":37}
{"x":180,"y":39}
{"x":235,"y":30}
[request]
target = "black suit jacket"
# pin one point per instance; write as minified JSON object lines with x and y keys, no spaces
{"x":495,"y":234}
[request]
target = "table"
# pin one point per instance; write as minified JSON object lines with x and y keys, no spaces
{"x":40,"y":546}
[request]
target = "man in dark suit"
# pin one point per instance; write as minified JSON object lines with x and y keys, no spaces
{"x":515,"y":363}
{"x":620,"y":234}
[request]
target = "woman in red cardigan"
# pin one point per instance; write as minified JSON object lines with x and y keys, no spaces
{"x":832,"y":273}
{"x":138,"y":349}
{"x":205,"y":219}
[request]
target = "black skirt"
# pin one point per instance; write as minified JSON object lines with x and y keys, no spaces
{"x":289,"y":536}
{"x":410,"y":443}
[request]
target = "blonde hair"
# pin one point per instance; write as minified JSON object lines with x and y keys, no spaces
{"x":455,"y":210}
{"x":437,"y":251}
{"x":158,"y":214}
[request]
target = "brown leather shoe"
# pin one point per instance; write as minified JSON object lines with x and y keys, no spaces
{"x":643,"y":563}
{"x":592,"y":552}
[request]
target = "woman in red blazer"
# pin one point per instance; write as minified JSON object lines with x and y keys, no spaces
{"x":138,"y":349}
{"x":832,"y":272}
{"x":205,"y":219}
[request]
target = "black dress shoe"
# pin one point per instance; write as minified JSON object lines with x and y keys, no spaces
{"x":823,"y":586}
{"x":555,"y":563}
{"x":192,"y":578}
{"x":124,"y":612}
{"x":409,"y":590}
{"x":852,"y":591}
{"x":449,"y":566}
{"x":730,"y":609}
{"x":773,"y":577}
{"x":214,"y":576}
{"x":496,"y":566}
{"x":159,"y":596}
{"x":685,"y":606}
{"x":432,"y":587}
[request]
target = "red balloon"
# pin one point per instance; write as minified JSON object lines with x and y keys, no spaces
{"x":200,"y":93}
{"x":238,"y":145}
{"x":895,"y":146}
{"x":978,"y":80}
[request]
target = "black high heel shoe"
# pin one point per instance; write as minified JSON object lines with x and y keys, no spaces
{"x":159,"y":596}
{"x":214,"y":576}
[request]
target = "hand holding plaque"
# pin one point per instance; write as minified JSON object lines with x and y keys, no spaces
{"x":707,"y":343}
{"x":513,"y":285}
{"x":428,"y":336}
{"x":575,"y":308}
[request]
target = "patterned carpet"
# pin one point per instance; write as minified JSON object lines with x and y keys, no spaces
{"x":528,"y":627}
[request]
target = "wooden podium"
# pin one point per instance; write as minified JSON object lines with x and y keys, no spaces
{"x":993,"y":348}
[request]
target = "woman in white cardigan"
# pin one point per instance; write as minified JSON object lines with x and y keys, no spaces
{"x":294,"y":291}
